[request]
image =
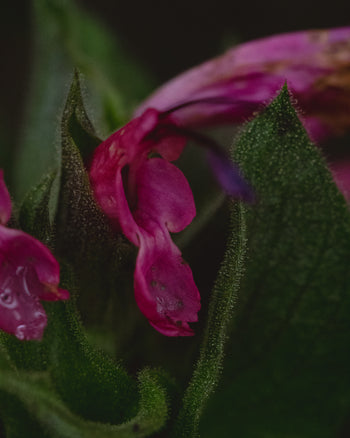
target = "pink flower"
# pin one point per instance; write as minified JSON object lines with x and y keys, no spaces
{"x":229,"y":88}
{"x":28,"y":273}
{"x":147,"y":198}
{"x":341,"y":175}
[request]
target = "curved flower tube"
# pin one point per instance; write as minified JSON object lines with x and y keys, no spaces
{"x":28,"y":273}
{"x":315,"y":64}
{"x":229,"y":88}
{"x":147,"y":198}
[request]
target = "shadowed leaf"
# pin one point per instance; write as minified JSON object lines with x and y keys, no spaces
{"x":286,"y":373}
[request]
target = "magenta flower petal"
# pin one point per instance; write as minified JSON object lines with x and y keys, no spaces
{"x":22,"y":250}
{"x":341,"y":175}
{"x":146,"y":197}
{"x":20,"y":311}
{"x":164,"y":197}
{"x":5,"y":201}
{"x":164,"y":287}
{"x":28,"y":273}
{"x":315,"y":65}
{"x":125,"y":149}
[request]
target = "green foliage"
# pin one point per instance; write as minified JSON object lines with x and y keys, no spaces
{"x":87,"y":380}
{"x":80,"y":222}
{"x":39,"y":136}
{"x":45,"y":409}
{"x":208,"y":368}
{"x":66,"y":37}
{"x":34,"y":214}
{"x":33,"y":219}
{"x":118,"y":81}
{"x":63,"y":386}
{"x":286,"y":373}
{"x":29,"y":355}
{"x":84,"y":237}
{"x":91,"y":384}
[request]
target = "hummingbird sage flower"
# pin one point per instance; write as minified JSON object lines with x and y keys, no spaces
{"x":28,"y":273}
{"x":146,"y":197}
{"x":230,"y":88}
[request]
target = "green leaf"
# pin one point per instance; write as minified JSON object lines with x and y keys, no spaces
{"x":36,"y":154}
{"x":42,"y":404}
{"x":81,"y":225}
{"x":80,"y":222}
{"x":28,"y":355}
{"x":34,"y":216}
{"x":287,"y":371}
{"x":119,"y":81}
{"x":66,"y":37}
{"x":208,"y":368}
{"x":76,"y":123}
{"x":88,"y":381}
{"x":83,"y":235}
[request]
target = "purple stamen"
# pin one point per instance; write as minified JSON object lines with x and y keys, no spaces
{"x":225,"y":171}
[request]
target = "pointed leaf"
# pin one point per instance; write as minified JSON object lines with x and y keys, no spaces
{"x":34,"y":214}
{"x":88,"y":381}
{"x":288,"y":361}
{"x":66,"y":37}
{"x":49,"y":411}
{"x":83,"y":235}
{"x":208,"y":368}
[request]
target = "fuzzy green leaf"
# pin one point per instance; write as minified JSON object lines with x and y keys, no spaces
{"x":33,"y":219}
{"x":34,"y":215}
{"x":118,"y":81}
{"x":208,"y":368}
{"x":88,"y":381}
{"x":36,"y":154}
{"x":36,"y":396}
{"x":80,"y":222}
{"x":287,"y":368}
{"x":83,"y":235}
{"x":67,"y":37}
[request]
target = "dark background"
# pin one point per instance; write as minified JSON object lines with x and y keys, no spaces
{"x":171,"y":36}
{"x":168,"y":37}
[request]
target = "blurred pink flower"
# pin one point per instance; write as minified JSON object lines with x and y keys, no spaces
{"x":230,"y":88}
{"x":341,"y":175}
{"x":28,"y":273}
